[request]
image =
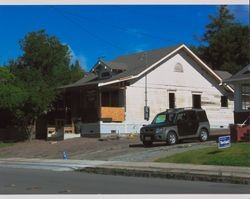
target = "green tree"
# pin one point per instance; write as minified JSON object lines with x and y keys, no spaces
{"x":223,"y":19}
{"x":43,"y":67}
{"x":45,"y":54}
{"x":225,"y":43}
{"x":77,"y":72}
{"x":11,"y":95}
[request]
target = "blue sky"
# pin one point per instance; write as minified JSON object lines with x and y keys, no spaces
{"x":109,"y":31}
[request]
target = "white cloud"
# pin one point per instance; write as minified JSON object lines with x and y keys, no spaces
{"x":82,"y":59}
{"x":140,"y":48}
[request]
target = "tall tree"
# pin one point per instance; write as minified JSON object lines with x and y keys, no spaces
{"x":222,"y":20}
{"x":77,"y":72}
{"x":226,"y":43}
{"x":47,"y":55}
{"x":43,"y":67}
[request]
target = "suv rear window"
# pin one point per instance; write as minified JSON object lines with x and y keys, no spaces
{"x":202,"y":116}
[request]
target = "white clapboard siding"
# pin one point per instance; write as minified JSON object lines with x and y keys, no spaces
{"x":164,"y":79}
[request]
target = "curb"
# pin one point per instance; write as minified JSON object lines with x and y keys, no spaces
{"x":164,"y":174}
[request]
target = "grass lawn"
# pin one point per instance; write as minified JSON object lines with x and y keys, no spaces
{"x":236,"y":155}
{"x":5,"y":144}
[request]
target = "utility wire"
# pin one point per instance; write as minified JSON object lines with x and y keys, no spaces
{"x":117,"y":27}
{"x":84,"y":29}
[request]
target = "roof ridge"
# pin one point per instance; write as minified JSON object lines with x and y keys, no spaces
{"x":145,"y":51}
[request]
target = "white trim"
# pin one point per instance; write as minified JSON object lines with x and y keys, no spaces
{"x":207,"y":67}
{"x":196,"y":92}
{"x":171,"y":90}
{"x":201,"y":62}
{"x":167,"y":56}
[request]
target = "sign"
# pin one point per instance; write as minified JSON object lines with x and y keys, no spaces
{"x":224,"y":142}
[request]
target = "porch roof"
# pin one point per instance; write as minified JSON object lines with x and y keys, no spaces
{"x":243,"y":75}
{"x":223,"y":74}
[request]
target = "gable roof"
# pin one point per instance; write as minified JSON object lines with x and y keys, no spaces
{"x":116,"y":65}
{"x":243,"y":74}
{"x":137,"y":64}
{"x":131,"y":64}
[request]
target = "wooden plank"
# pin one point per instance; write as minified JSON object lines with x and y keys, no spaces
{"x":117,"y":114}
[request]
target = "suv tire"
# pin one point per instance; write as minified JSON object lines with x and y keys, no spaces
{"x":171,"y":138}
{"x":147,"y":143}
{"x":203,"y":135}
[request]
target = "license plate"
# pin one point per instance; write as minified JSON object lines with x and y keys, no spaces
{"x":147,"y":138}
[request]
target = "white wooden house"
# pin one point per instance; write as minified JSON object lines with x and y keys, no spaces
{"x":112,"y":97}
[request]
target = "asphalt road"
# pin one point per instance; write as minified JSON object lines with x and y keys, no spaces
{"x":34,"y":181}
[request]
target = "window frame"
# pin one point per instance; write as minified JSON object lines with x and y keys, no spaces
{"x":224,"y":101}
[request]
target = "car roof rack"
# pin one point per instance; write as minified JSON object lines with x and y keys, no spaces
{"x":181,"y":109}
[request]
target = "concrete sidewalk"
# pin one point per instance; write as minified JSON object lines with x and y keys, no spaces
{"x":226,"y":174}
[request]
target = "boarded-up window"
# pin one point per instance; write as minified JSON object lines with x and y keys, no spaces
{"x":196,"y":101}
{"x":224,"y":101}
{"x":171,"y":100}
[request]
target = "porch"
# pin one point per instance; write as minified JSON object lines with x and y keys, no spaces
{"x":88,"y":105}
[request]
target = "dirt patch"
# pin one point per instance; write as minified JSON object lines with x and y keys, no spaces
{"x":75,"y":148}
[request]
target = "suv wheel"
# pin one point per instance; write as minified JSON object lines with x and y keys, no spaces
{"x":171,"y":138}
{"x":203,"y":135}
{"x":147,"y":143}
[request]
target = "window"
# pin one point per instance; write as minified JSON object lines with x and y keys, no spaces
{"x":202,"y":116}
{"x":196,"y":101}
{"x":191,"y":115}
{"x":110,"y":98}
{"x":178,"y":68}
{"x":105,"y":99}
{"x":224,"y":101}
{"x":181,"y":117}
{"x":171,"y":100}
{"x":105,"y":74}
{"x":245,"y":89}
{"x":160,"y":119}
{"x":114,"y":99}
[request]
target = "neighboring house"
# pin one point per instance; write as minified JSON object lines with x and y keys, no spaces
{"x":114,"y":95}
{"x":241,"y":83}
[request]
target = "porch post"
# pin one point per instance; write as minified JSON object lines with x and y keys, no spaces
{"x":237,"y":98}
{"x":100,"y":103}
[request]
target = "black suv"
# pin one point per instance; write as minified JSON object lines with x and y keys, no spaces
{"x":176,"y":124}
